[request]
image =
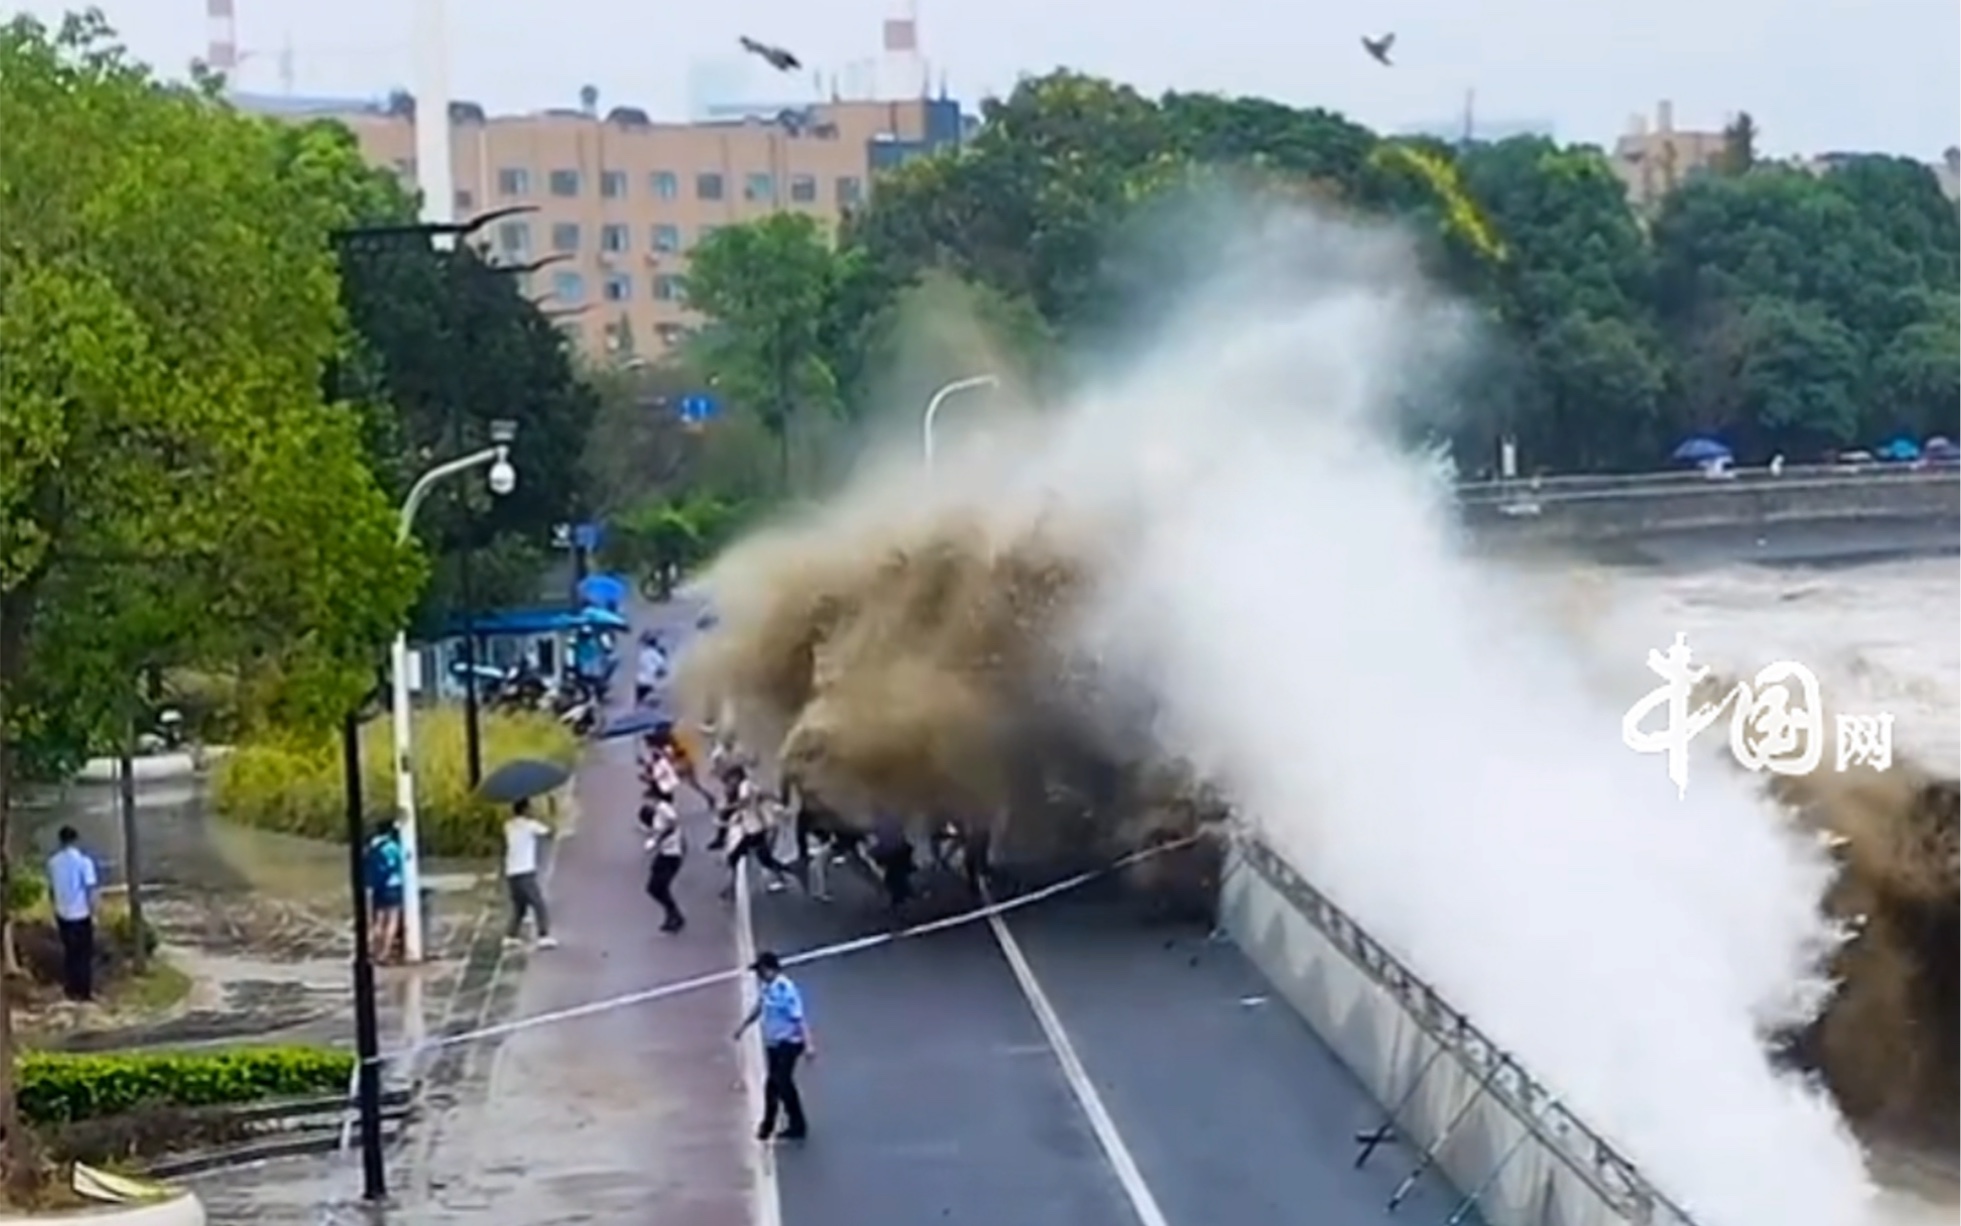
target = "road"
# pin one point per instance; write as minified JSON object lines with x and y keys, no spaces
{"x":1165,"y":1089}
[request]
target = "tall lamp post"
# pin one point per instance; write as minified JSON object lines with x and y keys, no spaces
{"x":940,"y":398}
{"x":367,"y":1027}
{"x":503,"y":479}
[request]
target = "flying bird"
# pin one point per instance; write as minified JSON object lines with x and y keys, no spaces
{"x":776,"y":57}
{"x":1379,"y":48}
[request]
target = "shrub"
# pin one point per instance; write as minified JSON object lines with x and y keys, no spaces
{"x":295,"y":784}
{"x":57,"y":1088}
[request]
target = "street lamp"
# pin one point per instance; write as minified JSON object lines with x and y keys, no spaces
{"x":502,"y":480}
{"x":939,"y":398}
{"x":367,"y":1027}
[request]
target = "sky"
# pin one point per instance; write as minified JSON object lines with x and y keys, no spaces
{"x":1815,"y":75}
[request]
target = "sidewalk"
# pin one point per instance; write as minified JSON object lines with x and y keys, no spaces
{"x":634,"y":1115}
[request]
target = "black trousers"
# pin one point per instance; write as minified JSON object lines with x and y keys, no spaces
{"x":760,"y":847}
{"x":660,"y":888}
{"x":77,"y":958}
{"x":780,"y":1089}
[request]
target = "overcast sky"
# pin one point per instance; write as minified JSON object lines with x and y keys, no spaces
{"x":1817,"y":75}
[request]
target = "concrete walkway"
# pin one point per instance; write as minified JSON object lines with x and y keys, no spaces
{"x":632,"y":1115}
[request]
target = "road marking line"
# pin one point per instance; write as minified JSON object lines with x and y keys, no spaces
{"x":1122,"y":1164}
{"x":765,"y":1194}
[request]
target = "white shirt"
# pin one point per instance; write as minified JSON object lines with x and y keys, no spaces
{"x":72,"y":882}
{"x":653,"y":663}
{"x":521,"y":837}
{"x":661,"y":773}
{"x":751,"y":815}
{"x":664,"y":838}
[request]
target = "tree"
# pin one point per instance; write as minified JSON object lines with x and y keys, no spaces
{"x":161,"y":425}
{"x":1739,"y":153}
{"x":768,"y":287}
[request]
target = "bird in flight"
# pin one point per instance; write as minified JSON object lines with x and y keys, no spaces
{"x":776,"y":57}
{"x":1379,"y":48}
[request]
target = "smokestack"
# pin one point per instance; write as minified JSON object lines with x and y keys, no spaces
{"x":221,"y":55}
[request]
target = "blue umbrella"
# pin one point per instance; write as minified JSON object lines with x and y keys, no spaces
{"x":638,"y":722}
{"x":605,"y":590}
{"x":1701,"y":449}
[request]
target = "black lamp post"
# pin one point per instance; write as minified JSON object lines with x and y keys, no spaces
{"x":367,"y":1027}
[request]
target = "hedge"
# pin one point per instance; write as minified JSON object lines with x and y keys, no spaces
{"x":295,"y":785}
{"x":57,"y":1088}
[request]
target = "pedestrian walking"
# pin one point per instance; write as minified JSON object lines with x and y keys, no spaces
{"x":891,"y":850}
{"x":650,"y":669}
{"x":786,"y":1040}
{"x":74,"y":888}
{"x":669,"y":846}
{"x":386,"y":872}
{"x":754,"y":831}
{"x":523,"y":836}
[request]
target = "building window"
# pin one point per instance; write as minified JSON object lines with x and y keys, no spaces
{"x":466,"y":202}
{"x":665,"y":184}
{"x":851,"y":191}
{"x":667,"y":238}
{"x":614,"y":238}
{"x":708,"y":186}
{"x":619,"y":287}
{"x":514,"y":237}
{"x":513,"y":181}
{"x":612,"y":184}
{"x":803,"y":189}
{"x":669,"y":287}
{"x":565,"y":183}
{"x":569,"y":288}
{"x":759,"y":188}
{"x":565,"y":237}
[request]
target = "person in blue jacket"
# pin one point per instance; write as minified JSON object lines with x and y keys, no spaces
{"x":386,"y":874}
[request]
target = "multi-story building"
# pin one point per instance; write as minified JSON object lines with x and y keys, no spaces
{"x":1653,"y":161}
{"x":620,"y":199}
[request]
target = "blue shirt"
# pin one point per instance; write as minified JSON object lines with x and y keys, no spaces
{"x":782,"y":1016}
{"x":71,"y":880}
{"x":385,"y":863}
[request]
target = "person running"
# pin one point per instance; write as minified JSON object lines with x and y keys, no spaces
{"x":661,"y":781}
{"x":387,"y":873}
{"x":754,"y":830}
{"x":650,"y":670}
{"x":892,"y":852}
{"x":666,"y":840}
{"x":786,"y":1040}
{"x":523,"y":835}
{"x":815,"y":825}
{"x":668,"y":741}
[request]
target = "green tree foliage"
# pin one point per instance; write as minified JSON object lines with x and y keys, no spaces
{"x":172,"y":485}
{"x":1790,"y":311}
{"x":770,"y":289}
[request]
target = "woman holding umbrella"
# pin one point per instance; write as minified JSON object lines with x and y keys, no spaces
{"x":517,"y":784}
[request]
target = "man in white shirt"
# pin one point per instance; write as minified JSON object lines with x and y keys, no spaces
{"x":523,"y":835}
{"x":751,"y":818}
{"x":669,"y":845}
{"x":650,"y":670}
{"x":72,"y":888}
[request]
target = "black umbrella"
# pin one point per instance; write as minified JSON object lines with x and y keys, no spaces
{"x":521,"y":780}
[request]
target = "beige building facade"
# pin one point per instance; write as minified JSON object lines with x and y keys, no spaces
{"x":619,"y":200}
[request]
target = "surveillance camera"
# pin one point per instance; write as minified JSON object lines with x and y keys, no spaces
{"x":503,"y":478}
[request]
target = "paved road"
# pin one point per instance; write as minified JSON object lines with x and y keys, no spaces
{"x":937,"y":1097}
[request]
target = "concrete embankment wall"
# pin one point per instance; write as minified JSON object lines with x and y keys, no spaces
{"x":1497,"y":1133}
{"x":1796,"y":515}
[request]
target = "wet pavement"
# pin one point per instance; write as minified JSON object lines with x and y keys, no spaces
{"x":1145,"y":1077}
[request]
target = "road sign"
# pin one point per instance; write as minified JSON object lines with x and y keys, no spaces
{"x":586,"y":537}
{"x":698,"y":408}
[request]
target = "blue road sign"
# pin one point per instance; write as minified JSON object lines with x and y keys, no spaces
{"x":697,"y":408}
{"x":587,"y":536}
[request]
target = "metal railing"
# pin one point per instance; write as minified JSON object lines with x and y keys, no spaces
{"x":1499,"y":1076}
{"x":1679,"y":479}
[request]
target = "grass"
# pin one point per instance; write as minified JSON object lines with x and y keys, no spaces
{"x":294,"y":785}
